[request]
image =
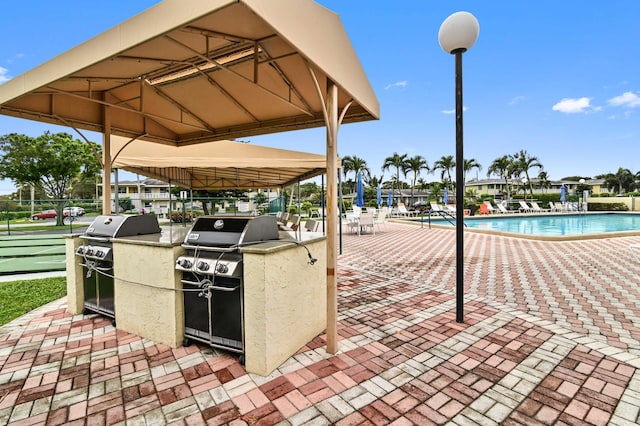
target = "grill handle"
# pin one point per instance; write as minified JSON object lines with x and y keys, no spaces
{"x":212,"y":287}
{"x":206,"y":248}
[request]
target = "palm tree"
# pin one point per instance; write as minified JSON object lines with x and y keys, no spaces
{"x":354,"y":164}
{"x":397,"y":161}
{"x":523,"y":162}
{"x":415,"y":164}
{"x":501,"y":167}
{"x":469,"y":165}
{"x":445,"y":165}
{"x":623,"y":179}
{"x":543,"y":180}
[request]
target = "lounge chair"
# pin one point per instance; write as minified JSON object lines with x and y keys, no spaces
{"x":552,"y":207}
{"x":524,"y":207}
{"x":435,"y":207}
{"x":451,"y":209}
{"x":402,"y":210}
{"x":490,"y":207}
{"x":560,"y":207}
{"x":503,"y":209}
{"x":536,"y":208}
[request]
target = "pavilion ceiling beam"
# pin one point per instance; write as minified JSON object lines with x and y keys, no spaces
{"x":308,"y":112}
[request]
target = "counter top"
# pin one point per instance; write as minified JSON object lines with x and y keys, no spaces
{"x":287,"y":241}
{"x":169,"y":236}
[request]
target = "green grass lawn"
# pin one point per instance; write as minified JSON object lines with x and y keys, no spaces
{"x":19,"y":297}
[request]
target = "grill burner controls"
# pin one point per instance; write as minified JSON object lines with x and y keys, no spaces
{"x":208,"y":266}
{"x":95,"y":252}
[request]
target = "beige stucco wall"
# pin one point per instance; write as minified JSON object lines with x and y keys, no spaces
{"x":633,"y":203}
{"x":285,"y":303}
{"x":75,"y":279}
{"x":148,"y":296}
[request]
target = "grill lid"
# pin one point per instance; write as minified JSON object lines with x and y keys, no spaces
{"x":123,"y":226}
{"x":227,"y":231}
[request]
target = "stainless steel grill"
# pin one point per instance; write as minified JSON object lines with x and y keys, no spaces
{"x":97,"y":256}
{"x":212,"y":276}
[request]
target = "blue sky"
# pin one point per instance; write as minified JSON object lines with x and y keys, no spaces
{"x":560,"y":79}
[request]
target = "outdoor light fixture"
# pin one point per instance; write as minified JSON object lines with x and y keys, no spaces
{"x":203,"y":66}
{"x":456,"y":35}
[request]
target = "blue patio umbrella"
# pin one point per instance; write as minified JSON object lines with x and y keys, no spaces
{"x":445,"y":196}
{"x":390,"y":198}
{"x":563,"y":192}
{"x":379,"y":194}
{"x":359,"y":191}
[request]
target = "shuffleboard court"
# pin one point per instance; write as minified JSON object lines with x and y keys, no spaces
{"x":32,"y":253}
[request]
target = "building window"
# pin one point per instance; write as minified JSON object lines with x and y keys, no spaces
{"x":147,"y":190}
{"x":122,"y":190}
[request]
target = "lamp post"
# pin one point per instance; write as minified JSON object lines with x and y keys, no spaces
{"x":581,"y":198}
{"x":456,"y":35}
{"x":524,"y":187}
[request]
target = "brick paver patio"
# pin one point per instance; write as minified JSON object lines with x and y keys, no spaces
{"x":551,"y":336}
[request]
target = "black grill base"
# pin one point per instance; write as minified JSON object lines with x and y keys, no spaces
{"x":217,"y":320}
{"x":99,"y":290}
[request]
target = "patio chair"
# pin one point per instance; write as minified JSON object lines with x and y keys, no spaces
{"x":351,"y":222}
{"x":381,"y":219}
{"x":295,"y":222}
{"x":552,"y":207}
{"x":484,"y":210}
{"x":524,"y":207}
{"x":311,"y":225}
{"x":367,"y":221}
{"x":560,"y":207}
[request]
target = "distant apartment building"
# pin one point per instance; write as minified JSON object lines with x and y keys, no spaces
{"x":154,"y":195}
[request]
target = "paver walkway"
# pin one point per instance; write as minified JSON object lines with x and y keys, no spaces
{"x":551,"y":336}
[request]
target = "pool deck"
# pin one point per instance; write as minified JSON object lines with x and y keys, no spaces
{"x":551,"y":336}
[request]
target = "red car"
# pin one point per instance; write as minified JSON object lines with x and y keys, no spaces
{"x":47,"y":214}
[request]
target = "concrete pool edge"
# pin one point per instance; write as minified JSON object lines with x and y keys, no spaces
{"x":593,"y":236}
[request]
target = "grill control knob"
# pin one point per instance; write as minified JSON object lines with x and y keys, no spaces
{"x":99,"y":253}
{"x":203,"y":266}
{"x":184,"y":263}
{"x":80,"y":250}
{"x":89,"y":251}
{"x":222,"y":268}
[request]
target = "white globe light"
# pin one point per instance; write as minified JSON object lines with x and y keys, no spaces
{"x":581,"y":181}
{"x":458,"y":31}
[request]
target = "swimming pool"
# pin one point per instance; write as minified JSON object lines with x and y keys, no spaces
{"x":561,"y":225}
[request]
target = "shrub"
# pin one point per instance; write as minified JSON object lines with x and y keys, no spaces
{"x":612,"y":207}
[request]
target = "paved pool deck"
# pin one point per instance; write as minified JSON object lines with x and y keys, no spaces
{"x":551,"y":336}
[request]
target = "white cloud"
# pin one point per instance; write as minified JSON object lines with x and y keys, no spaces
{"x":452,"y":111}
{"x":573,"y":106}
{"x":4,"y":75}
{"x":516,"y":100}
{"x":627,"y":99}
{"x":401,"y":84}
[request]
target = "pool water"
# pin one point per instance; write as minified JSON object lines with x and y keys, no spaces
{"x":559,"y":225}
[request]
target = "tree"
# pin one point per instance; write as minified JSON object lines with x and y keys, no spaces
{"x":445,"y":164}
{"x":354,"y":164}
{"x":522,"y":163}
{"x":415,"y":165}
{"x":469,"y":165}
{"x":50,"y":161}
{"x":543,"y":180}
{"x":397,"y":161}
{"x":501,"y":167}
{"x":623,"y":180}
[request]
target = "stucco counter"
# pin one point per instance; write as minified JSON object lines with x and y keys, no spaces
{"x":284,"y":291}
